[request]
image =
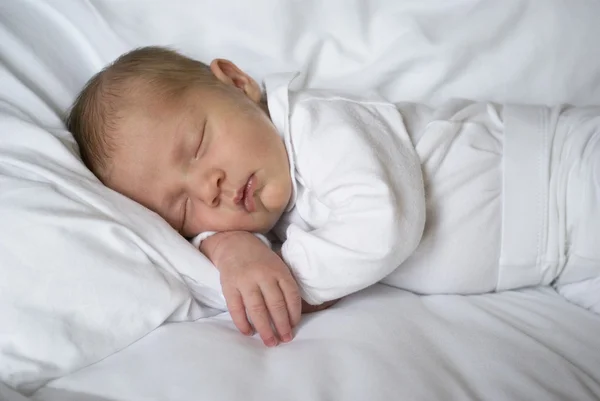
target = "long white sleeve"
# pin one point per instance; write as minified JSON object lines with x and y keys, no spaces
{"x":197,"y":240}
{"x":360,"y":195}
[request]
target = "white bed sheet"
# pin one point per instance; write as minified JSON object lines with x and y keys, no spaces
{"x":381,"y":344}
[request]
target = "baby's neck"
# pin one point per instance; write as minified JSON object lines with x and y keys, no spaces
{"x":264,"y":106}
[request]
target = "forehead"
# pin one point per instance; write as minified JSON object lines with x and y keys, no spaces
{"x":152,"y":134}
{"x":151,"y":119}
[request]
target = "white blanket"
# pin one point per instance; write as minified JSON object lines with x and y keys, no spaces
{"x":379,"y":345}
{"x":513,"y":199}
{"x":86,"y":272}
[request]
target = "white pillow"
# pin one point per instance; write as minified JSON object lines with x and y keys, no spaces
{"x":84,"y":271}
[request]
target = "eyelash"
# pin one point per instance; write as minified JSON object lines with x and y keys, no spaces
{"x":196,"y":156}
{"x":185,"y":208}
{"x":198,"y":151}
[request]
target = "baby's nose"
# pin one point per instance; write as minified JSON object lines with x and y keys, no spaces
{"x":211,"y":188}
{"x":212,"y":201}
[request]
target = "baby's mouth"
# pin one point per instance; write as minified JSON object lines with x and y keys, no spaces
{"x":245,"y":195}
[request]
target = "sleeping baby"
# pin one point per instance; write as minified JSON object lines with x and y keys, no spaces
{"x":467,"y":198}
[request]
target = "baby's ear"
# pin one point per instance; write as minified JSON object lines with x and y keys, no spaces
{"x":230,"y":74}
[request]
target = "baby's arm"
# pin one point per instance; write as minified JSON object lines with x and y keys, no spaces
{"x":256,"y":283}
{"x":357,"y":162}
{"x":245,"y":263}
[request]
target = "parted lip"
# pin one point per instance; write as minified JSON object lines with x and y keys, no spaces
{"x":243,"y":194}
{"x":239,"y":194}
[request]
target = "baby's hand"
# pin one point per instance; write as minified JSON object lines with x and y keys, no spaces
{"x":256,"y":283}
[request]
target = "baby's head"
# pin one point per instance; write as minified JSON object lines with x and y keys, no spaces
{"x":191,"y":142}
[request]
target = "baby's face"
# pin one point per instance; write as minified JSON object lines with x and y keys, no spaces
{"x":215,"y":162}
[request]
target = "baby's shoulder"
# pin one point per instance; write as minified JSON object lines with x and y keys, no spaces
{"x":328,"y":119}
{"x":328,"y":129}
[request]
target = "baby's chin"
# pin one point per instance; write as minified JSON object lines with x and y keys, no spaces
{"x":260,"y":228}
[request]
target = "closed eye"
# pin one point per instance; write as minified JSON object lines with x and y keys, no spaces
{"x":197,"y":154}
{"x":184,"y":214}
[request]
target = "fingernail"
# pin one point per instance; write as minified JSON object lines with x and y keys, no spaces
{"x":286,"y":338}
{"x":271,"y":342}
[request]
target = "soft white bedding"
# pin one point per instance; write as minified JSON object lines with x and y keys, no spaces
{"x":87,"y":276}
{"x":383,"y":344}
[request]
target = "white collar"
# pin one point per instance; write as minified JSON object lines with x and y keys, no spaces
{"x":277,"y":87}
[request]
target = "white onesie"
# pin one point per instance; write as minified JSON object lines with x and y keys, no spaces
{"x":358,"y":206}
{"x":510,"y":195}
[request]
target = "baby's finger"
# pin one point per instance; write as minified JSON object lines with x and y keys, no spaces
{"x":278,"y":310}
{"x":257,"y":310}
{"x":237,"y":310}
{"x":293,"y":299}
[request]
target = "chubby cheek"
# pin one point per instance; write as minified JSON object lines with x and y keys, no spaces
{"x":276,"y":196}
